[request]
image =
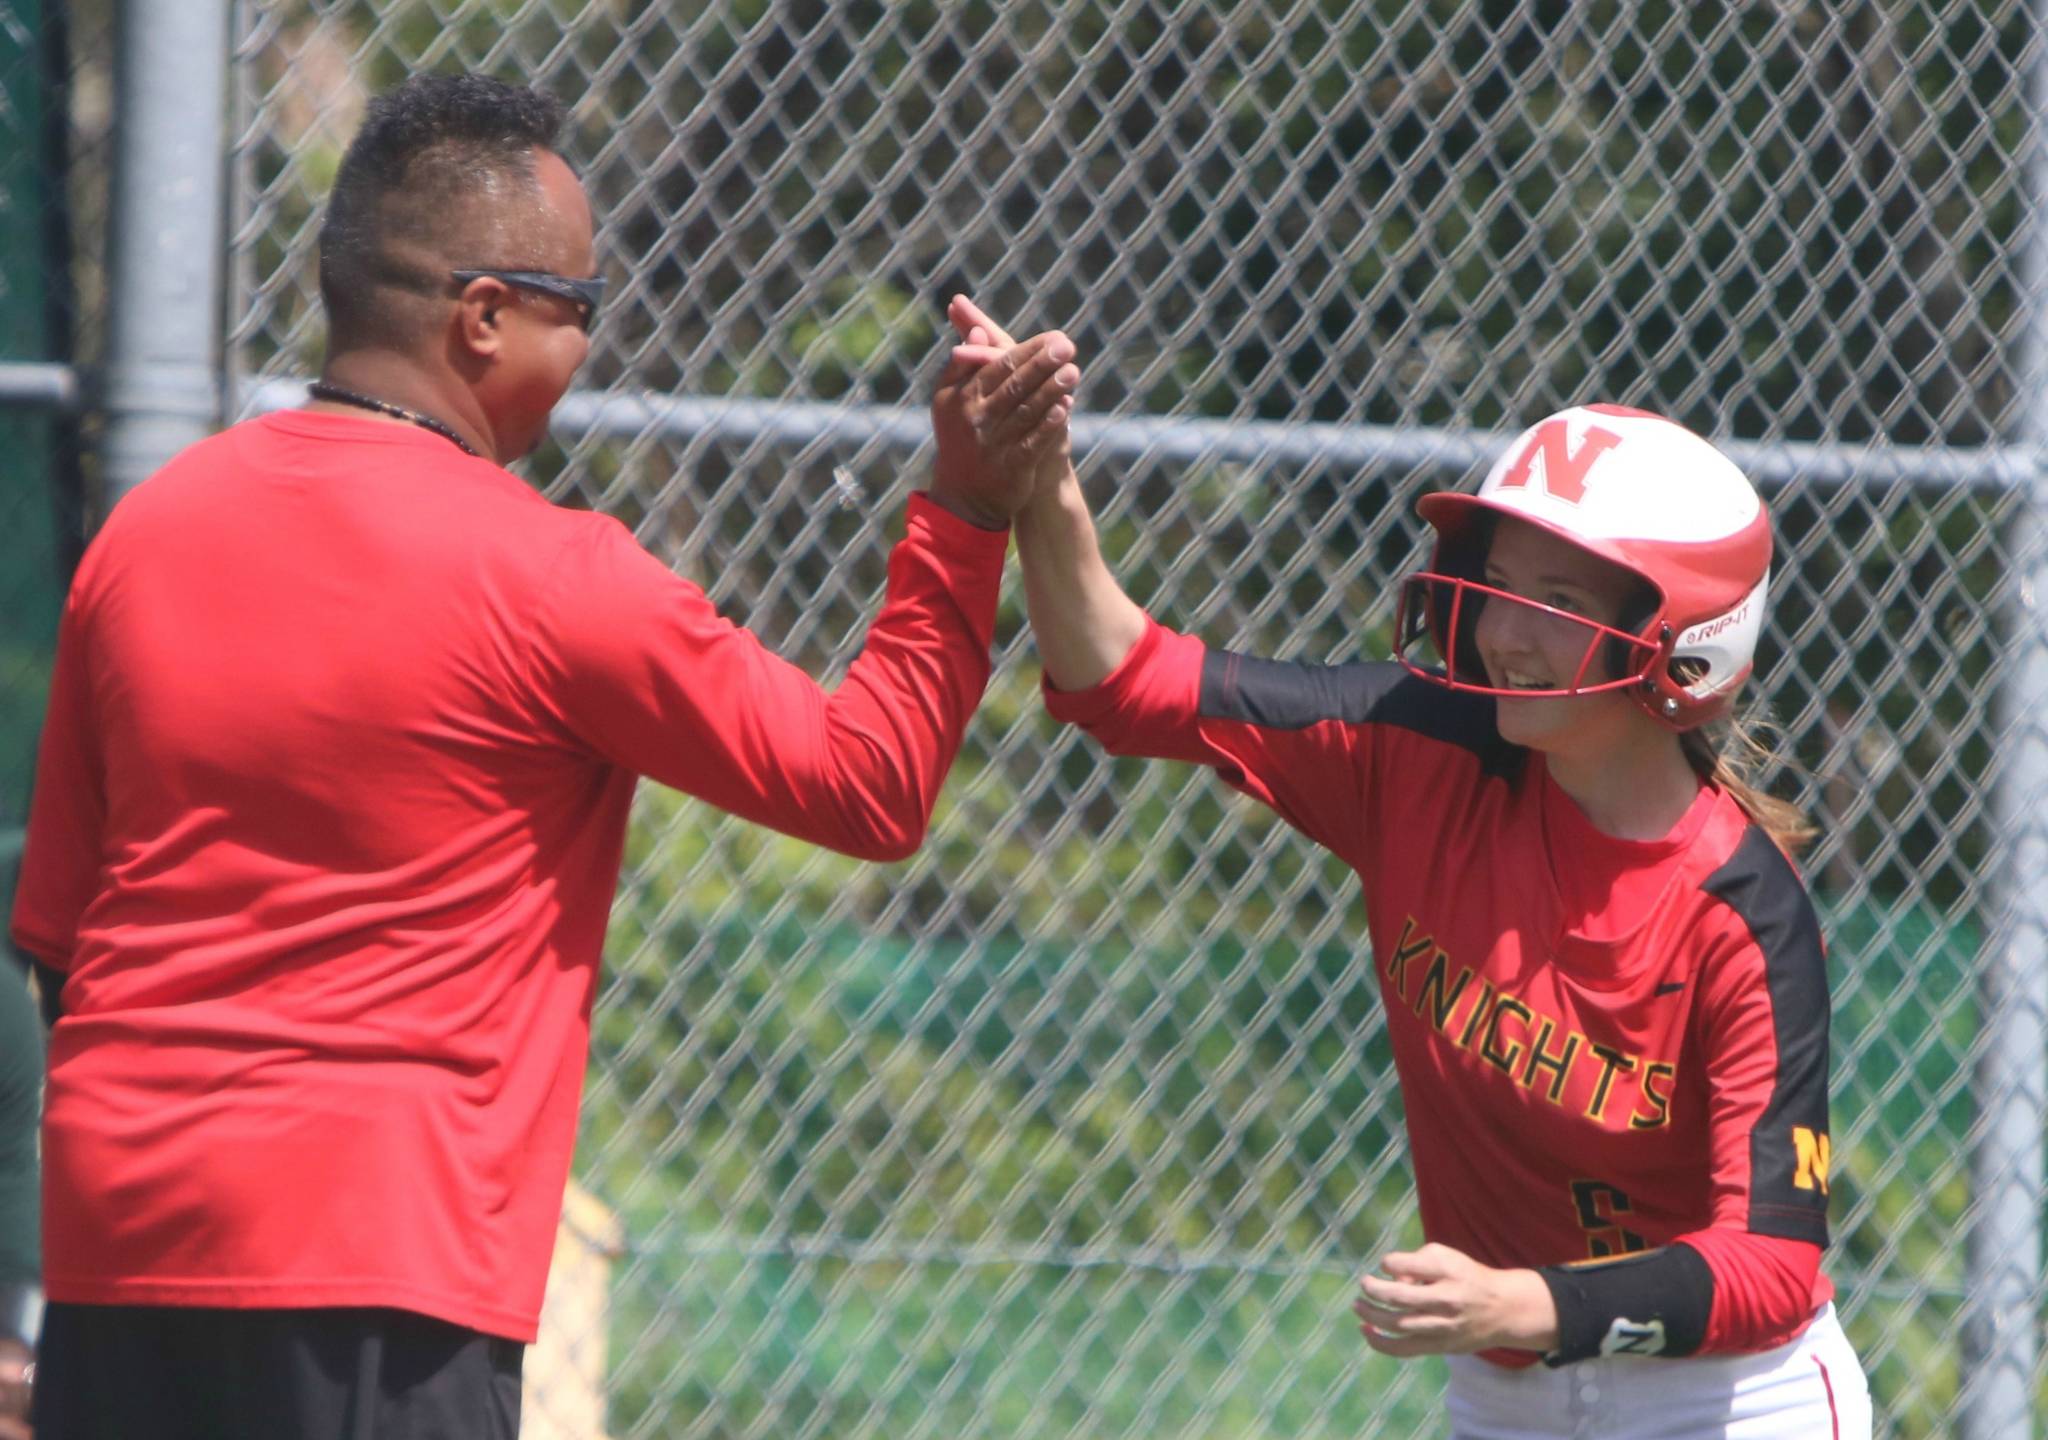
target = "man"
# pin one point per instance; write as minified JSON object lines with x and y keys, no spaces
{"x":343,"y":731}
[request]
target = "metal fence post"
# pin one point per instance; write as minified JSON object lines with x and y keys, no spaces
{"x":2002,"y":1335}
{"x":163,"y":361}
{"x":2002,"y":1342}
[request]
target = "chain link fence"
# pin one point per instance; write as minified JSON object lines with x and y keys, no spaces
{"x":1081,"y":1122}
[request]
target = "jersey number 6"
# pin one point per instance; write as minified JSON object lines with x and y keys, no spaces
{"x":1601,"y":1210}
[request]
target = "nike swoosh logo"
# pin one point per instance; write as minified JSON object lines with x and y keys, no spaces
{"x":1671,"y":988}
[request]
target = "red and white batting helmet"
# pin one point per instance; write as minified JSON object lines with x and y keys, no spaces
{"x":1641,"y":492}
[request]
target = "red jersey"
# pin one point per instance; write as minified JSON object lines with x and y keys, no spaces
{"x":329,"y":814}
{"x":1603,"y":1046}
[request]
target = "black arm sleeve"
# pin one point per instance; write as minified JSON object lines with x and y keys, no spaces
{"x":1652,"y":1303}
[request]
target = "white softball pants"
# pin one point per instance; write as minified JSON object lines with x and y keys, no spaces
{"x":1811,"y":1388}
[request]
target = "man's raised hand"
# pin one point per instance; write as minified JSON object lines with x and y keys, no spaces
{"x":998,"y":418}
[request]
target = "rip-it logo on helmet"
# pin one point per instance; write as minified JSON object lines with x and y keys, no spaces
{"x":1645,"y":494}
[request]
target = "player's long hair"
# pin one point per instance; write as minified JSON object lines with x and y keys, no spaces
{"x":1731,"y":754}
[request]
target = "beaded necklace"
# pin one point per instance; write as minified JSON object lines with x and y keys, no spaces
{"x":321,"y":390}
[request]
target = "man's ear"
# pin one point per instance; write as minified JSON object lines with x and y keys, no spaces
{"x":479,"y":315}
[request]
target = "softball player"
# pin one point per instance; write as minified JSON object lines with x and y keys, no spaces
{"x":1602,"y":976}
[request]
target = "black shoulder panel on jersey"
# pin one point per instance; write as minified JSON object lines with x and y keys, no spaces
{"x":1788,"y":1151}
{"x":1291,"y":695}
{"x":1655,"y":1302}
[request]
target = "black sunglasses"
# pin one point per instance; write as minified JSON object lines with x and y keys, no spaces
{"x":586,"y":293}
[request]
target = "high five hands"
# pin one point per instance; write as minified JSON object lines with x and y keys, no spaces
{"x":1000,"y":419}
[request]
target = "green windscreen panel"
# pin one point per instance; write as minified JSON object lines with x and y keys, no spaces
{"x":31,"y":282}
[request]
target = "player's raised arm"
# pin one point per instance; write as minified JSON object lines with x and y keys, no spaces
{"x":1275,"y":730}
{"x":1081,"y":618}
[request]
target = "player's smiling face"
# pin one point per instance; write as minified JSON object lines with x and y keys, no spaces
{"x":1525,"y":649}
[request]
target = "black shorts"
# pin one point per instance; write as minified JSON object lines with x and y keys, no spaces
{"x":145,"y":1372}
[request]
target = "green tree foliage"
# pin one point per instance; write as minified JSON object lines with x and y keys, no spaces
{"x":38,"y":484}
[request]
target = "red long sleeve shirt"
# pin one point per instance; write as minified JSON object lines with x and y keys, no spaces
{"x":1604,"y":1046}
{"x":327,"y":821}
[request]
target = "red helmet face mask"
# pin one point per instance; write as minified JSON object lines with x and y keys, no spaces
{"x":1441,"y":613}
{"x":1648,"y":497}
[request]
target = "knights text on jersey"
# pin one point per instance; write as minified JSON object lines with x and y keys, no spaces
{"x":1587,"y":1069}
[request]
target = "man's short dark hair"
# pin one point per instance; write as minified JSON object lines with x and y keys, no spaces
{"x":422,"y":190}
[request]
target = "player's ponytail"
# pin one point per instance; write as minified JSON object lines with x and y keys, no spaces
{"x":1731,"y":754}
